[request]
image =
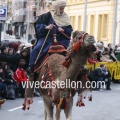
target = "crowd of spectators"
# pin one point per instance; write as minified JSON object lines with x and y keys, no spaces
{"x":14,"y":60}
{"x":104,"y":54}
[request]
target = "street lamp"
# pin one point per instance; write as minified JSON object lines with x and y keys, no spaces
{"x":30,"y":7}
{"x":85,"y":13}
{"x":119,"y":26}
{"x":115,"y":22}
{"x":28,"y":19}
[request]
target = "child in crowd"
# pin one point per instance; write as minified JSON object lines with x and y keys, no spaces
{"x":20,"y":76}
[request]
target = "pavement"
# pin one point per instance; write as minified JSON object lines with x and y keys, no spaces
{"x":105,"y":106}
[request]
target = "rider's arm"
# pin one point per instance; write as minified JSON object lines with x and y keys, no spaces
{"x":67,"y":30}
{"x":41,"y":28}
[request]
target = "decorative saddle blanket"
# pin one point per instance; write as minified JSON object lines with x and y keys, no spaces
{"x":55,"y":48}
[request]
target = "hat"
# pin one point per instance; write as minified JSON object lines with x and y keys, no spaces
{"x":99,"y":44}
{"x":118,"y":48}
{"x":24,"y":50}
{"x":27,"y":45}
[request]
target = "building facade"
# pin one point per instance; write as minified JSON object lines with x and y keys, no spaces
{"x":7,"y":23}
{"x":25,"y":13}
{"x":118,"y":24}
{"x":99,"y":18}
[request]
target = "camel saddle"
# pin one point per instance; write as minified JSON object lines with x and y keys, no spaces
{"x":54,"y":48}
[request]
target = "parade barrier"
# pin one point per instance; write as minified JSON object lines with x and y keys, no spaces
{"x":90,"y":67}
{"x":113,"y":67}
{"x":117,"y":72}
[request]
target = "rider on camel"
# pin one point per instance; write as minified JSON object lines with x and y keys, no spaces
{"x":57,"y":21}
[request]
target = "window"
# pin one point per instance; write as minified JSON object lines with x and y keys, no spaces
{"x":79,"y":27}
{"x":102,"y":26}
{"x":87,"y":23}
{"x":92,"y":24}
{"x":73,"y":21}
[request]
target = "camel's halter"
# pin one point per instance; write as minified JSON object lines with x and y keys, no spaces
{"x":76,"y":49}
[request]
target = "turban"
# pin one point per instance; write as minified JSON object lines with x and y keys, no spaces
{"x":60,"y":19}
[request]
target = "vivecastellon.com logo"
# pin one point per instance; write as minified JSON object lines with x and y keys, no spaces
{"x":63,"y":84}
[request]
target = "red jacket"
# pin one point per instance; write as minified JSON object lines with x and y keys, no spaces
{"x":20,"y":75}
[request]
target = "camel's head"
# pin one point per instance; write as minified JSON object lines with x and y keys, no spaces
{"x":81,"y":39}
{"x":81,"y":48}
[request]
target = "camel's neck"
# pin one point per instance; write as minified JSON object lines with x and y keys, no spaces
{"x":77,"y":61}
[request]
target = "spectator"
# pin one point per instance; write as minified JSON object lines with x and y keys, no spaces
{"x":20,"y":76}
{"x":12,"y":60}
{"x":7,"y":72}
{"x":98,"y":75}
{"x":116,"y":47}
{"x":10,"y":31}
{"x":109,"y":46}
{"x":3,"y":92}
{"x":100,"y":46}
{"x":112,"y":55}
{"x":10,"y":83}
{"x":24,"y":55}
{"x":98,"y":50}
{"x":107,"y":78}
{"x":105,"y":56}
{"x":11,"y":51}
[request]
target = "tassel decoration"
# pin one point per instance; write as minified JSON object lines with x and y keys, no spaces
{"x":65,"y":63}
{"x":59,"y":105}
{"x":90,"y":98}
{"x":80,"y":102}
{"x":49,"y":92}
{"x":50,"y":75}
{"x":76,"y":47}
{"x":62,"y":103}
{"x":26,"y":104}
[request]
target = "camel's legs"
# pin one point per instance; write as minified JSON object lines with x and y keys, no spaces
{"x":68,"y":110}
{"x":45,"y":113}
{"x":48,"y":109}
{"x":57,"y":115}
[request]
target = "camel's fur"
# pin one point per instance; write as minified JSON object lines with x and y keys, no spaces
{"x":62,"y":73}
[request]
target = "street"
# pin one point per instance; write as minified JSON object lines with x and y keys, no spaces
{"x":105,"y":106}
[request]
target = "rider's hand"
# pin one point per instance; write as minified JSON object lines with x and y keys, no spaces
{"x":49,"y":27}
{"x":3,"y":80}
{"x":60,"y":29}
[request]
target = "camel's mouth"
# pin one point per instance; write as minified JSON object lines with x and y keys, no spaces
{"x":89,"y":40}
{"x":91,"y":48}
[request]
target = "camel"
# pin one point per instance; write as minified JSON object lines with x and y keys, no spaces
{"x":69,"y":70}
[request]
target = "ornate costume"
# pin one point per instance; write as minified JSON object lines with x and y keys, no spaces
{"x":51,"y":17}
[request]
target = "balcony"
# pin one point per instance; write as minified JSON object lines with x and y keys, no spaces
{"x":33,"y":19}
{"x":34,"y":6}
{"x":9,"y":10}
